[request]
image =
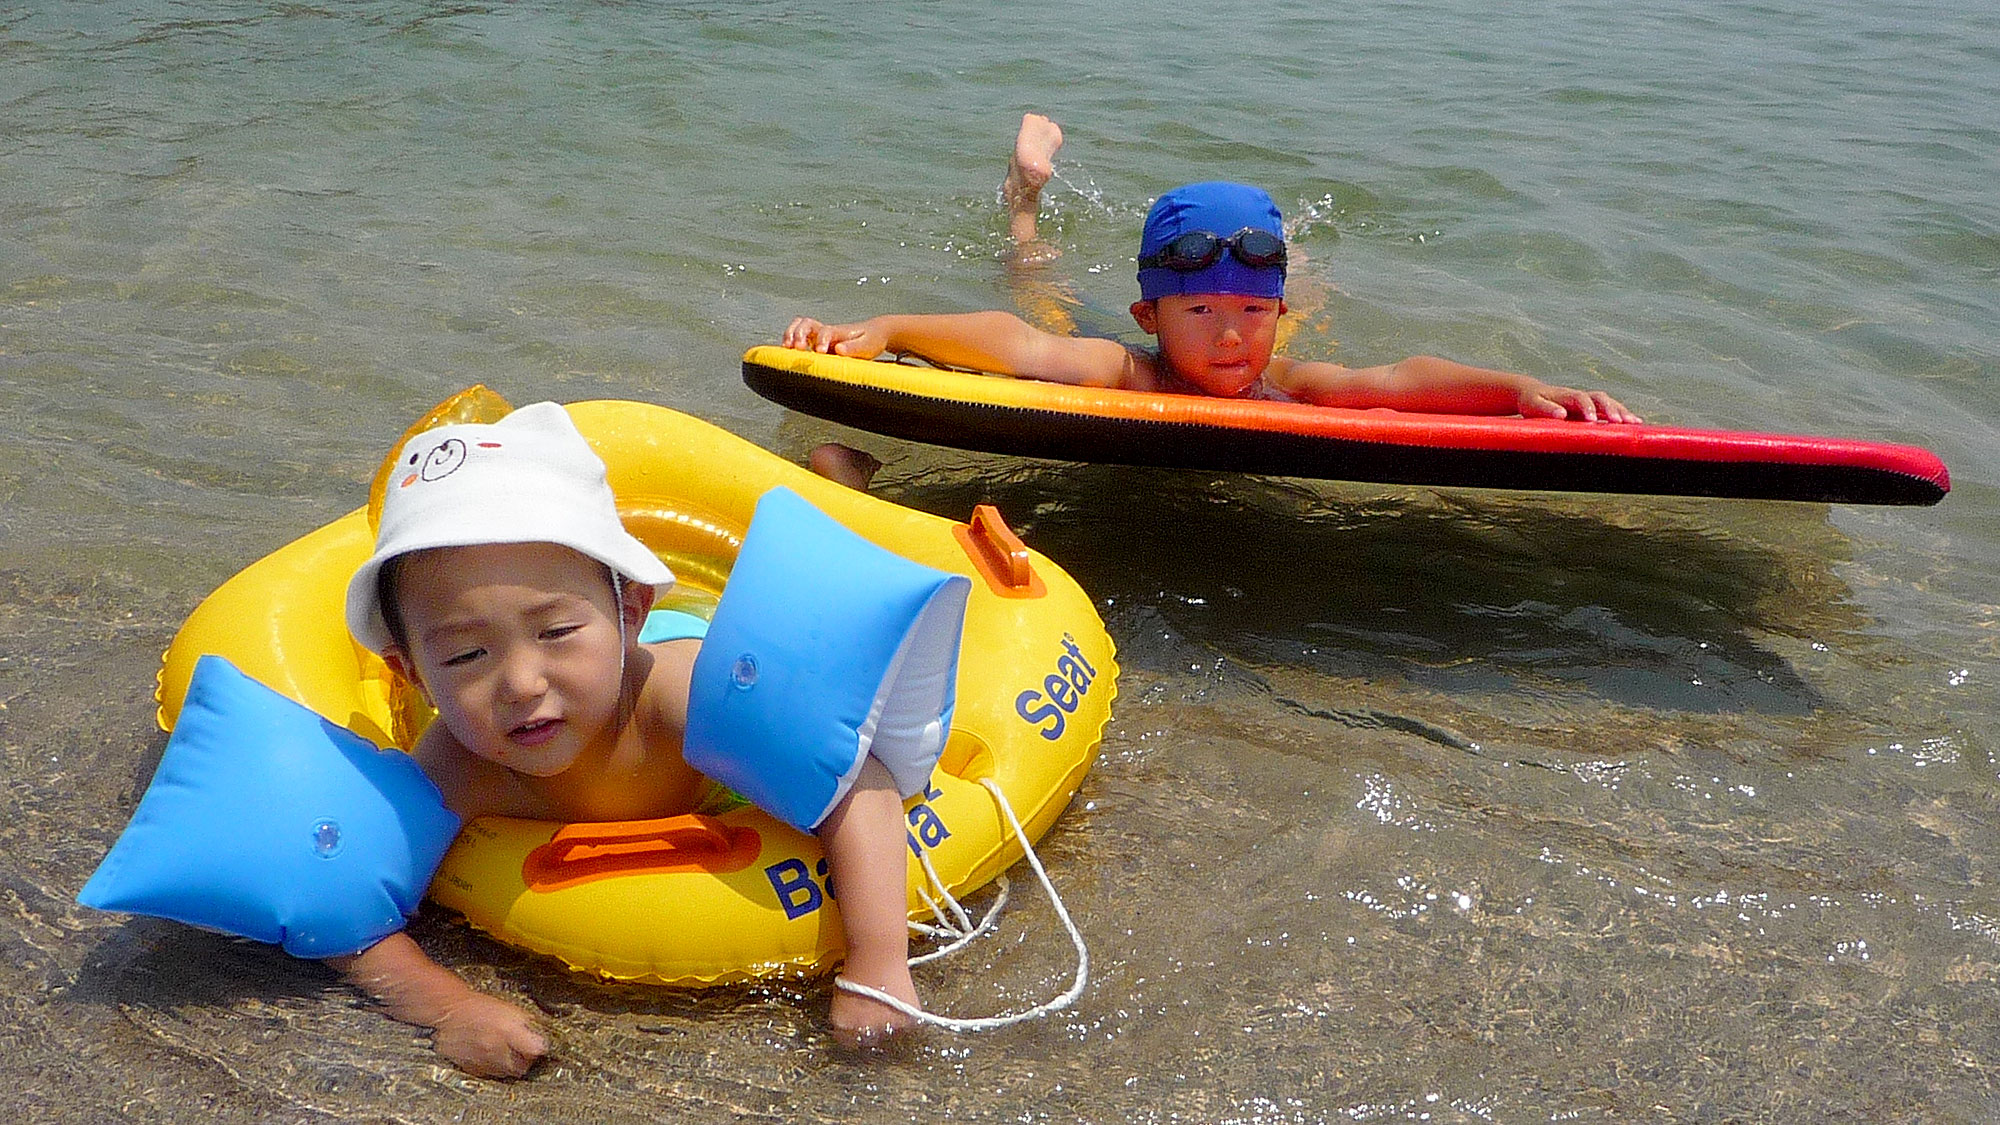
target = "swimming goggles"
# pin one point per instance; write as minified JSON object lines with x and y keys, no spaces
{"x":1200,"y":249}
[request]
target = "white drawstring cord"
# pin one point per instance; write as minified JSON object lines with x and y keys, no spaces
{"x":959,"y":922}
{"x":962,"y":936}
{"x":965,"y":932}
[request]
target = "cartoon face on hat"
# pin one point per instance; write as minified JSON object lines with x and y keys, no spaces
{"x":1214,"y":237}
{"x":528,"y":478}
{"x":443,"y":459}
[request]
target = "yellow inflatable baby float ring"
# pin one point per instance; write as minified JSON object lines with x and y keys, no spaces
{"x":702,"y":899}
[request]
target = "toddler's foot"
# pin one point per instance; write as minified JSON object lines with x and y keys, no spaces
{"x":842,"y":465}
{"x":1028,"y":170}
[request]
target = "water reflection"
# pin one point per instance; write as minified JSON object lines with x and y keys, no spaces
{"x":1627,"y":599}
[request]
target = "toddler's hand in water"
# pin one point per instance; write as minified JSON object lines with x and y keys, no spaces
{"x":489,"y":1037}
{"x":862,"y":1021}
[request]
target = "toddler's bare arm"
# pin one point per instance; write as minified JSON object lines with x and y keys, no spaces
{"x":482,"y":1034}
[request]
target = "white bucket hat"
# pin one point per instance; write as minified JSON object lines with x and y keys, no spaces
{"x":528,"y":478}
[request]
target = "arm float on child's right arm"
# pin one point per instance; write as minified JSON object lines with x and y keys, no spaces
{"x":266,"y":821}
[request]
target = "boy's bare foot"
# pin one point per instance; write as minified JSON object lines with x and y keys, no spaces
{"x":842,"y":465}
{"x":1028,"y":171}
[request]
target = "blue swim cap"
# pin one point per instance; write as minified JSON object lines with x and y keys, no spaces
{"x":1221,"y":209}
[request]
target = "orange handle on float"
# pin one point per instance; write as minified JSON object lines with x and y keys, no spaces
{"x":998,"y":554}
{"x":580,"y":853}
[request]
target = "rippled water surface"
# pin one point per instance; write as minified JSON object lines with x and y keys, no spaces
{"x":1419,"y":805}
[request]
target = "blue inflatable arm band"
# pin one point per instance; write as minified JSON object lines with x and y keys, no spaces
{"x":825,"y":650}
{"x":267,"y":821}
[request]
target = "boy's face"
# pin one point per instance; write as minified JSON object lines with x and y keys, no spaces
{"x":1219,"y":342}
{"x":518,"y":647}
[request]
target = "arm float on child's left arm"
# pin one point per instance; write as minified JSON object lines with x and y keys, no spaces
{"x":266,"y":821}
{"x":825,"y":650}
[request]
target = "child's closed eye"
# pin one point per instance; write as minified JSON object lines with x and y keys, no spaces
{"x":460,"y":659}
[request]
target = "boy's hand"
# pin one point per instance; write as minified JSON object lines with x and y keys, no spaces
{"x":860,"y":1021}
{"x":1546,"y":401}
{"x":860,"y":341}
{"x":489,"y":1037}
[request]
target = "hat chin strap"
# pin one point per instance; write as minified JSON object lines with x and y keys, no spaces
{"x":618,"y":610}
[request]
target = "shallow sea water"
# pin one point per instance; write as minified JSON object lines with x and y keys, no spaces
{"x":1419,"y":805}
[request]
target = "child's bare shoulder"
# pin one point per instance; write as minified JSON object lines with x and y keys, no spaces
{"x":664,"y":693}
{"x":1141,"y":370}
